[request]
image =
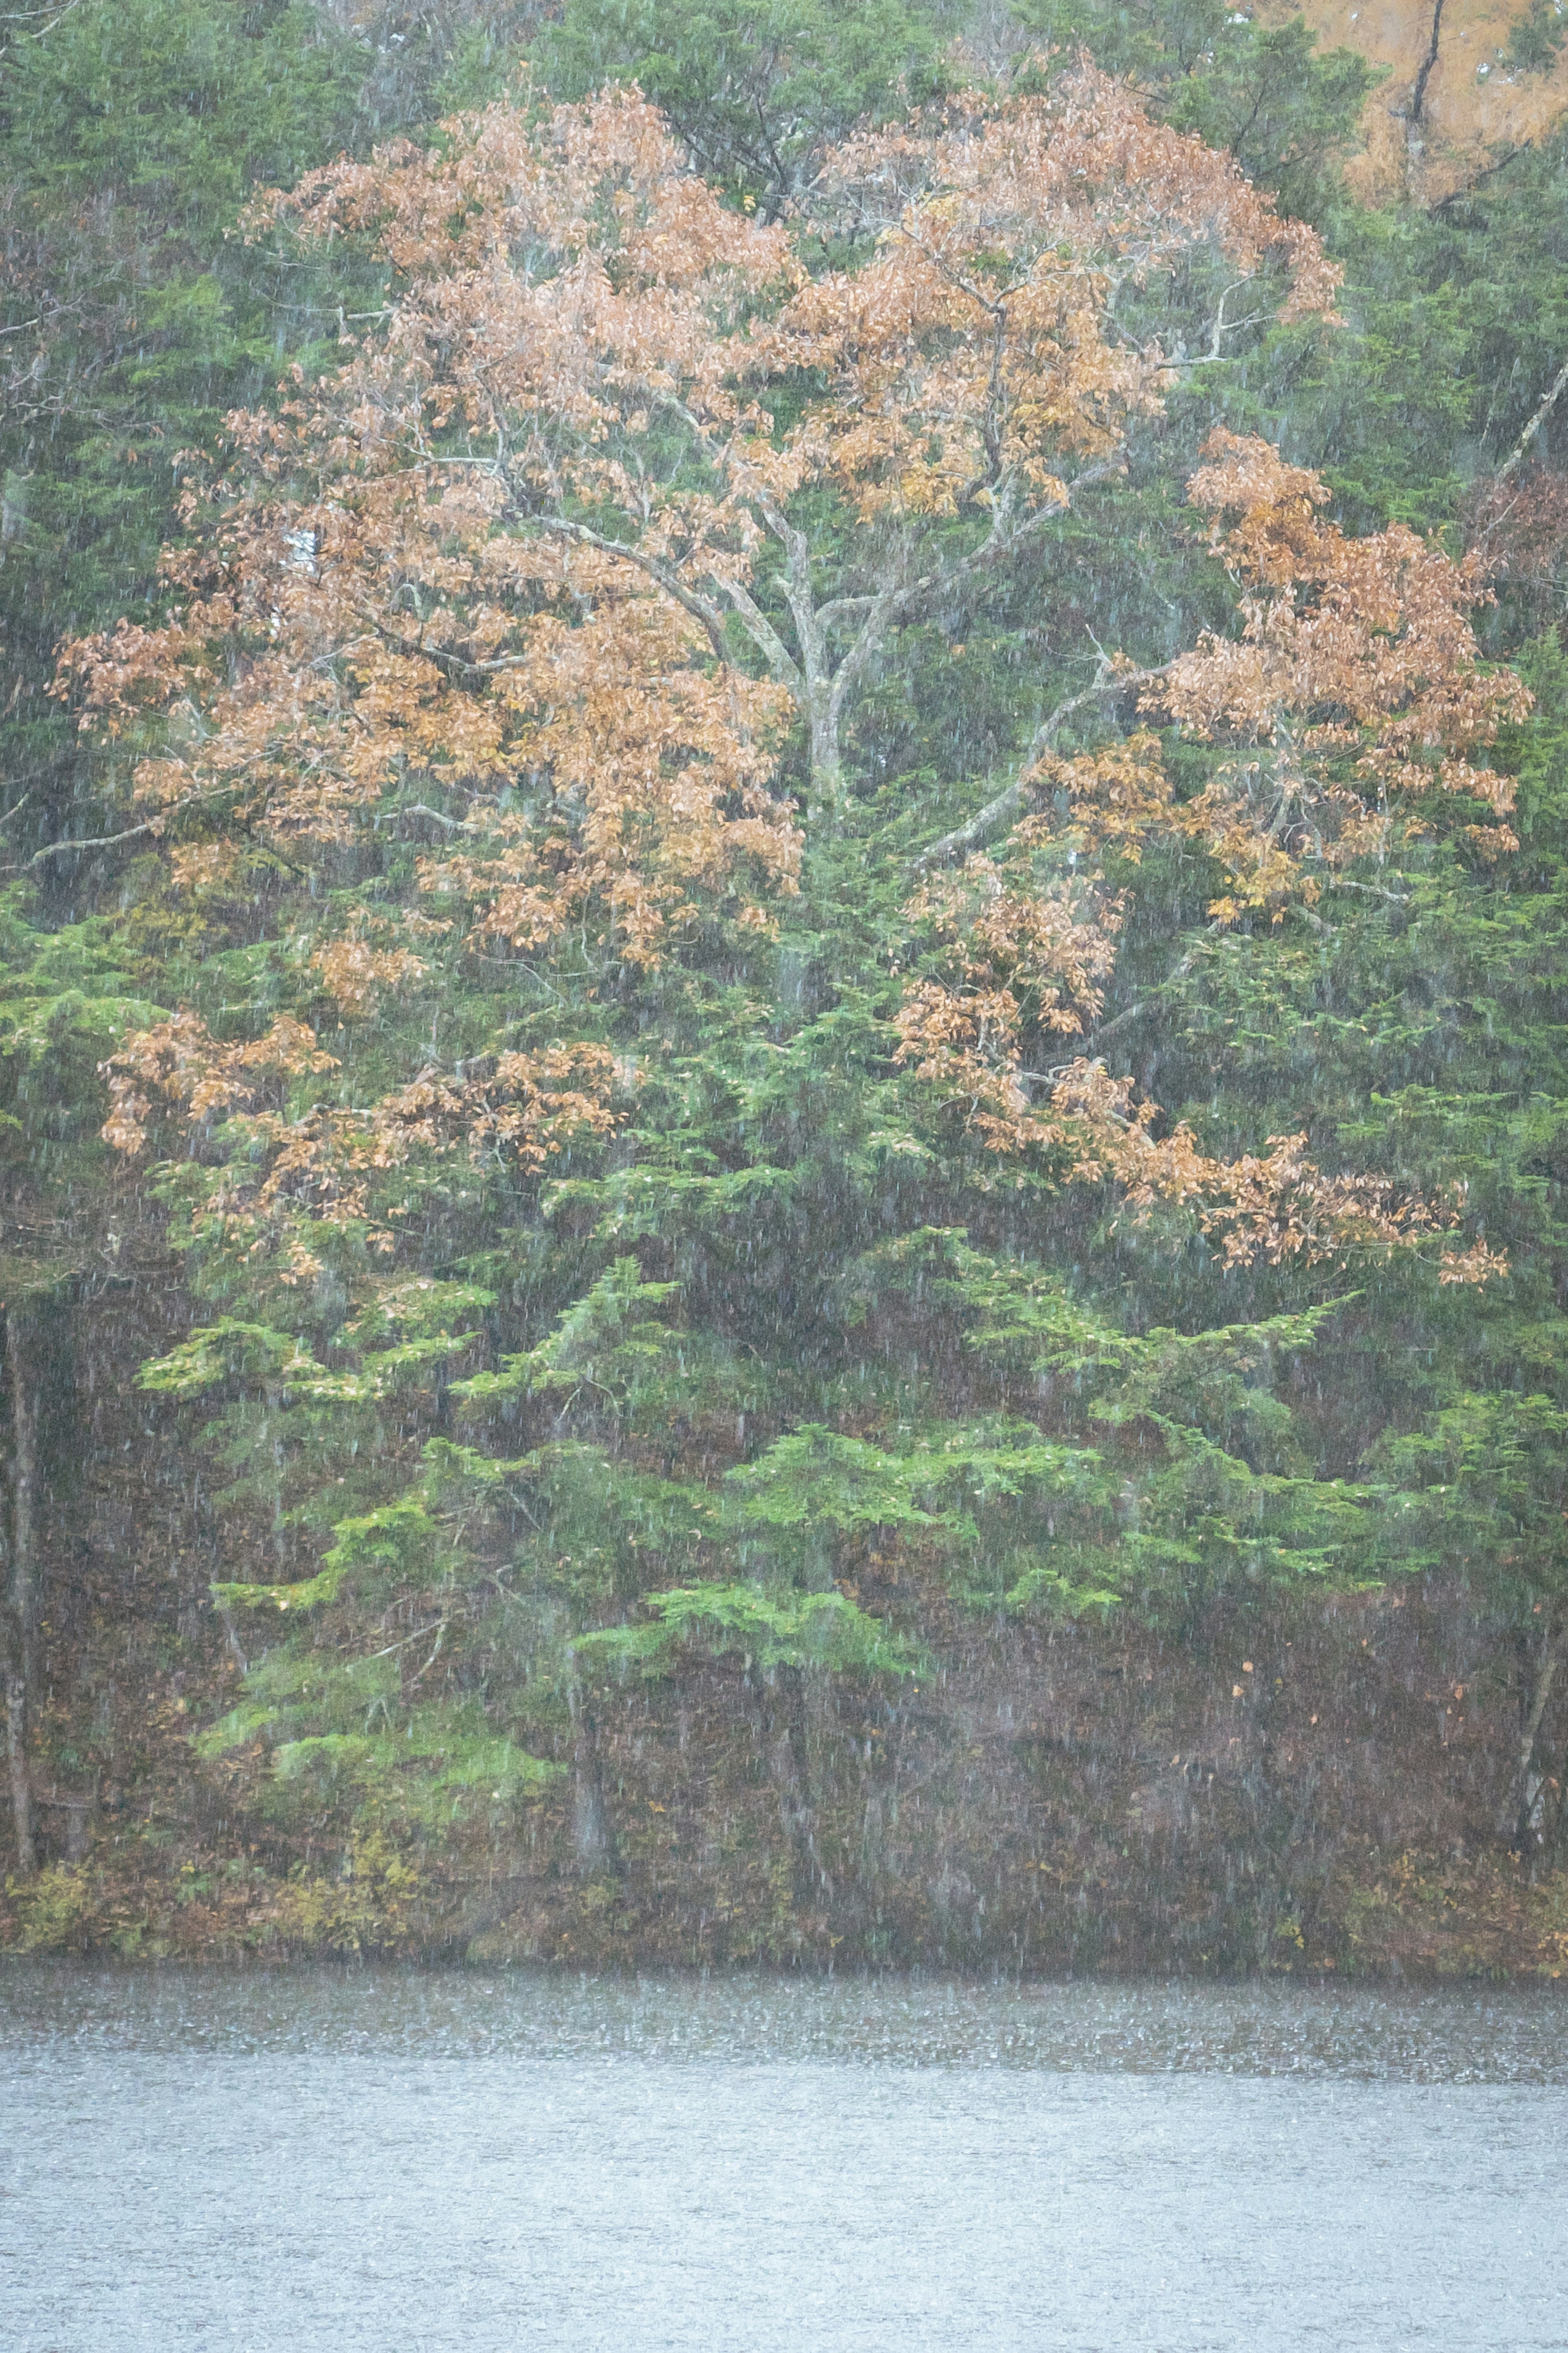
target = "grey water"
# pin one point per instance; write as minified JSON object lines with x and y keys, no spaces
{"x":420,"y":2162}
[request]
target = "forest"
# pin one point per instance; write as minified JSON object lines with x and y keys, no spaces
{"x":784,"y":986}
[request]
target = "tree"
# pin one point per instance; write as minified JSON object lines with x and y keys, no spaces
{"x":450,"y":664}
{"x":639,"y":1228}
{"x":975,"y":381}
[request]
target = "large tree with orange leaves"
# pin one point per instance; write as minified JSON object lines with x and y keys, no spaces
{"x":487,"y":581}
{"x":634,"y":1220}
{"x":619,"y":362}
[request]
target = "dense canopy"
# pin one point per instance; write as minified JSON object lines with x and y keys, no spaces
{"x":782,"y":1022}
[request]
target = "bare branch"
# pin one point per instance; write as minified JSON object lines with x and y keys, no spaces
{"x":1549,"y":401}
{"x":153,"y":824}
{"x":762,"y":634}
{"x":709,"y":616}
{"x":1010,"y":802}
{"x":455,"y":666}
{"x":436,"y":816}
{"x":97,"y":841}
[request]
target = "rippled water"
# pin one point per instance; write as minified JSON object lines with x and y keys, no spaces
{"x":289,"y":2163}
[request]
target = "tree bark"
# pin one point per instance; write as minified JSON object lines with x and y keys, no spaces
{"x":22,"y":1673}
{"x":1517,"y":1819}
{"x":1549,"y":399}
{"x":16,"y":1763}
{"x":592,"y":1837}
{"x":789,"y":1765}
{"x":1424,"y":74}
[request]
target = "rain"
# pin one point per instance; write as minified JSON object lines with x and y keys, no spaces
{"x":783,"y":1450}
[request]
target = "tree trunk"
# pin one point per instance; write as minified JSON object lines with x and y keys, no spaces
{"x":22,"y":1673}
{"x":592,"y":1837}
{"x":1417,"y":108}
{"x":1521,"y":1817}
{"x":789,"y":1763}
{"x":827,"y":770}
{"x":16,"y":1761}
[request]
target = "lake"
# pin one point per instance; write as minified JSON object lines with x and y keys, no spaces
{"x":427,"y":2162}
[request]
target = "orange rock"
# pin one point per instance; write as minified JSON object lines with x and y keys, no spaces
{"x":1472,"y":106}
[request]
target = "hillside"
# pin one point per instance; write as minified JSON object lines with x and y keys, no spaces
{"x":783,"y":1106}
{"x":1474,"y":102}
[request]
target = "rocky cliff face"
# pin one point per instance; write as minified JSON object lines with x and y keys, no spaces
{"x":1451,"y":104}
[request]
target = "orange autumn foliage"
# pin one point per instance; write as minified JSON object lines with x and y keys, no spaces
{"x":317,"y":1161}
{"x":357,"y":975}
{"x":649,"y":777}
{"x":1354,"y":699}
{"x":567,"y":285}
{"x":975,"y":353}
{"x":1015,"y":954}
{"x":1273,"y":1206}
{"x":1356,"y":704}
{"x":1114,"y":797}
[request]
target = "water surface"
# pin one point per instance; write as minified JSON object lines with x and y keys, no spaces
{"x":395,"y":2162}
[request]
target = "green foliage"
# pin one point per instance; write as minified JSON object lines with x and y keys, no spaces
{"x":223,"y":1352}
{"x":172,"y":105}
{"x":1286,"y":113}
{"x":1535,"y":39}
{"x":55,"y":1909}
{"x":132,"y":318}
{"x":69,"y":996}
{"x":822,"y":1631}
{"x":379,"y":1551}
{"x":756,"y":89}
{"x":1484,"y":1488}
{"x":602,"y":1347}
{"x":338,"y":1733}
{"x":814,"y":1487}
